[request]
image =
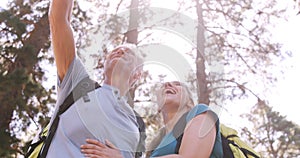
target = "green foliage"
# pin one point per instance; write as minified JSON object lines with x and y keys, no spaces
{"x":233,"y":39}
{"x":16,"y":26}
{"x":25,"y":102}
{"x":272,"y":133}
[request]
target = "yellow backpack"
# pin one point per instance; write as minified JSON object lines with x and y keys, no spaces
{"x":35,"y":148}
{"x":233,"y":146}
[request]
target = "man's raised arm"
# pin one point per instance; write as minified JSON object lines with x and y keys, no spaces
{"x":62,"y":35}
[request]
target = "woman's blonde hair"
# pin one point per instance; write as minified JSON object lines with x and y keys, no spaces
{"x":190,"y":102}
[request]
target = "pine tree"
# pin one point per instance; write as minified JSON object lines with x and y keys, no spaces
{"x":272,"y":134}
{"x":25,"y":102}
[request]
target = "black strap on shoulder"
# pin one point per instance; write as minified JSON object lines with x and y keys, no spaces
{"x":178,"y":131}
{"x":82,"y":88}
{"x":142,"y":129}
{"x":231,"y":136}
{"x":227,"y":152}
{"x":247,"y":152}
{"x":34,"y":145}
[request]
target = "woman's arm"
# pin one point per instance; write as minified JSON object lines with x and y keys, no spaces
{"x":96,"y":149}
{"x":198,"y":139}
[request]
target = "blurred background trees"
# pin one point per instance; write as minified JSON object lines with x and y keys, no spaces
{"x":273,"y":134}
{"x":231,"y":50}
{"x":24,"y":100}
{"x":25,"y":45}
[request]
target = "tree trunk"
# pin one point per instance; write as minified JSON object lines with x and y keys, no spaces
{"x":203,"y":93}
{"x":131,"y":36}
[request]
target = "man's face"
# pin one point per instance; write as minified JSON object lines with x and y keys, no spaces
{"x":119,"y":55}
{"x":121,"y":61}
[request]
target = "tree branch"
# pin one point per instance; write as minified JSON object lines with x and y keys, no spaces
{"x":118,"y":6}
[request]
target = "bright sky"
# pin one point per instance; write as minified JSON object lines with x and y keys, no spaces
{"x":288,"y":88}
{"x":3,"y":3}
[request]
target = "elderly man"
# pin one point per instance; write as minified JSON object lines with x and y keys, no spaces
{"x":106,"y":116}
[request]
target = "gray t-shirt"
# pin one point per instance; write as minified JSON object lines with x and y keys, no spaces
{"x":105,"y":116}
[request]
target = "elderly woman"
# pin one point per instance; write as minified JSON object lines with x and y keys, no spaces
{"x":201,"y":138}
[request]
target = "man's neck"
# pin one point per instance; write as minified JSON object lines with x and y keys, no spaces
{"x":119,"y":84}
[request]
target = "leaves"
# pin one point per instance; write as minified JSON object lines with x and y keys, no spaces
{"x":14,"y":24}
{"x":21,"y":90}
{"x":236,"y":62}
{"x":273,"y":132}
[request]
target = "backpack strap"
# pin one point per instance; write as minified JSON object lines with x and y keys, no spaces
{"x":34,"y":145}
{"x":142,"y":129}
{"x":227,"y":152}
{"x":82,"y":88}
{"x":178,"y":131}
{"x":248,"y":152}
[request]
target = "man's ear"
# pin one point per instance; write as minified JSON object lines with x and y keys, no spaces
{"x":136,"y":76}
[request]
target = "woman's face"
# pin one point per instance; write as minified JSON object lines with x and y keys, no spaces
{"x":171,"y":95}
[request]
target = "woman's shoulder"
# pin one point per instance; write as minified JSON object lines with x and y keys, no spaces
{"x":197,"y":110}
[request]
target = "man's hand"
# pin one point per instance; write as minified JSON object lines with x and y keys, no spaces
{"x":96,"y":149}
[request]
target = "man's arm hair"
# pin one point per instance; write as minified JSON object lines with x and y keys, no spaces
{"x":62,"y":35}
